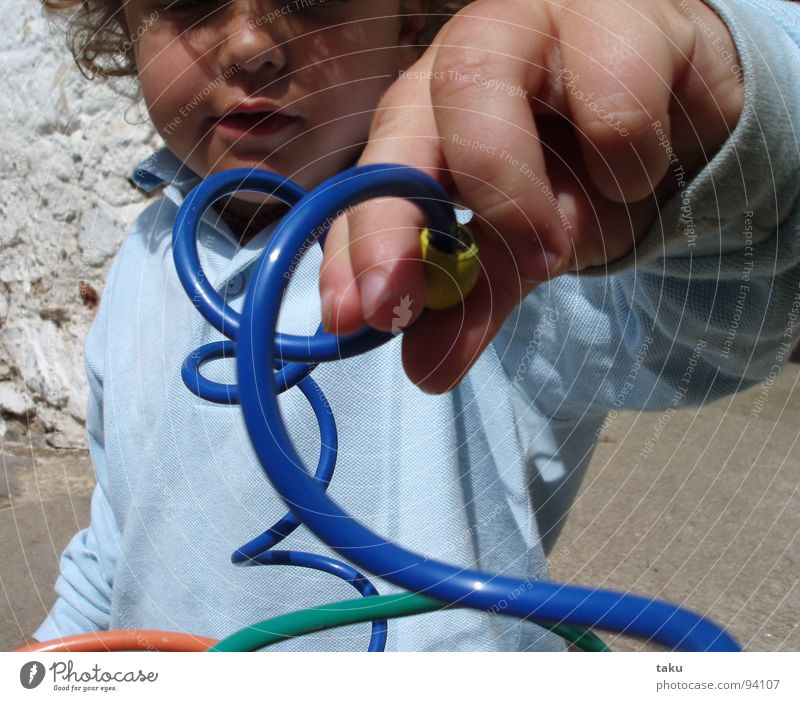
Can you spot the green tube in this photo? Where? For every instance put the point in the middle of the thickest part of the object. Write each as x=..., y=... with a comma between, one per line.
x=582, y=638
x=362, y=610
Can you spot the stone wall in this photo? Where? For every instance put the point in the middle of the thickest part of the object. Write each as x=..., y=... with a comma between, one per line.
x=68, y=147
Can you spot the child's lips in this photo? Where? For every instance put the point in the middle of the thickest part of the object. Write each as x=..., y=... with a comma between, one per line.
x=259, y=124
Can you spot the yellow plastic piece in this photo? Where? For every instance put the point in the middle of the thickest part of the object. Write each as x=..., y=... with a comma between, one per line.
x=451, y=276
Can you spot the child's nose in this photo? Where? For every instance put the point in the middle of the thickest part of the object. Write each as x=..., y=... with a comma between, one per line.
x=252, y=42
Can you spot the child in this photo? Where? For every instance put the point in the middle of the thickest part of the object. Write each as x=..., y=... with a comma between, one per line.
x=481, y=477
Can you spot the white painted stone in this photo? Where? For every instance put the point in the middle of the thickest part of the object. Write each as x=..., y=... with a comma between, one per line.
x=12, y=401
x=99, y=236
x=65, y=205
x=49, y=362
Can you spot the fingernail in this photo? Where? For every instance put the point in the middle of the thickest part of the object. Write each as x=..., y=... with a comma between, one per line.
x=374, y=293
x=554, y=263
x=327, y=299
x=547, y=266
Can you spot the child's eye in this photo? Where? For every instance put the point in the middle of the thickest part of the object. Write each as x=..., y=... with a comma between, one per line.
x=291, y=7
x=208, y=6
x=199, y=11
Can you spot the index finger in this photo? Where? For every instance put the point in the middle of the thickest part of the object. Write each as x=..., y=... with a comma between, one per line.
x=383, y=248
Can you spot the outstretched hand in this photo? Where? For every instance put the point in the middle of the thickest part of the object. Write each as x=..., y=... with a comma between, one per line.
x=563, y=125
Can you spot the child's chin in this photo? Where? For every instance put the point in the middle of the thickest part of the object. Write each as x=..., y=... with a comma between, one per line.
x=306, y=176
x=253, y=197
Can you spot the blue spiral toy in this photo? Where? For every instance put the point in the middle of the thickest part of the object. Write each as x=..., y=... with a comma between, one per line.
x=257, y=348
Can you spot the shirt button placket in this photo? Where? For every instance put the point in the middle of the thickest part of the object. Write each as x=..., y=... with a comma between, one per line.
x=235, y=285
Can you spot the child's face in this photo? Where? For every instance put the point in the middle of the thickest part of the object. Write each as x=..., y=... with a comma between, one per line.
x=323, y=64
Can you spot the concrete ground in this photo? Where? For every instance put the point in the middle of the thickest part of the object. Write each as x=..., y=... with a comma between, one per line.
x=701, y=508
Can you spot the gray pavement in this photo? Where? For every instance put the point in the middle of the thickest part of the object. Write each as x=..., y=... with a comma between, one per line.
x=700, y=508
x=708, y=519
x=44, y=501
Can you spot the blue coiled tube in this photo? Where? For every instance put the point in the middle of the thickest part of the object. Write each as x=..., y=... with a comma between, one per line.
x=669, y=625
x=287, y=376
x=184, y=237
x=259, y=346
x=227, y=321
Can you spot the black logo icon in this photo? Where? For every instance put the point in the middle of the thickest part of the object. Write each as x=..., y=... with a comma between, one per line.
x=31, y=674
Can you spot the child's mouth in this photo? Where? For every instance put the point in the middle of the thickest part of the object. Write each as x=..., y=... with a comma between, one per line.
x=255, y=123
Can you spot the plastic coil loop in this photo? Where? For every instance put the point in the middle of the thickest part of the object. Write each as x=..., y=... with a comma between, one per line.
x=220, y=315
x=259, y=352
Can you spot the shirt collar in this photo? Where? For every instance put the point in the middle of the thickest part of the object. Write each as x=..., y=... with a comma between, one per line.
x=163, y=167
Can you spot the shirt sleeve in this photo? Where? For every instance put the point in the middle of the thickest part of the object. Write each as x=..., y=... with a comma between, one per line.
x=88, y=563
x=708, y=302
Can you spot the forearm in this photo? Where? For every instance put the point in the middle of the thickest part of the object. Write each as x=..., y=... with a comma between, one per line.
x=719, y=268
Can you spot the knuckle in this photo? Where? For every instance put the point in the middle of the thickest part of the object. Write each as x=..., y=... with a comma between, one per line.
x=610, y=120
x=456, y=63
x=471, y=76
x=389, y=119
x=499, y=206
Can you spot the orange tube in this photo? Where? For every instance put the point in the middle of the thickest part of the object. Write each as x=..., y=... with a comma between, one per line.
x=122, y=640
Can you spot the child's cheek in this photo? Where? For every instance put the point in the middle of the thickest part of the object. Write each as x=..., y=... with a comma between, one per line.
x=164, y=72
x=163, y=96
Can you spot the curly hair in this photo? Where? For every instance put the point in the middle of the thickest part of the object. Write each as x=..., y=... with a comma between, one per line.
x=98, y=42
